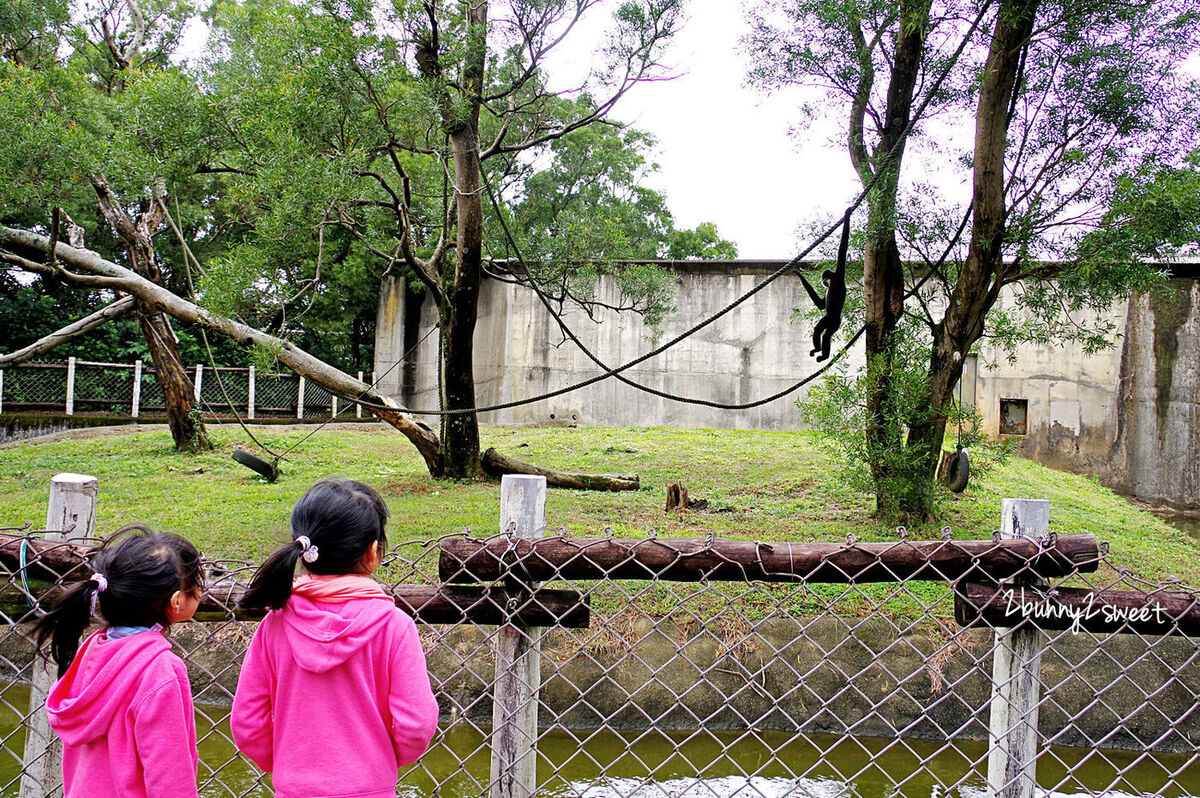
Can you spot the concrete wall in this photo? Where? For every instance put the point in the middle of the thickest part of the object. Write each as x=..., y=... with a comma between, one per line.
x=754, y=351
x=1130, y=414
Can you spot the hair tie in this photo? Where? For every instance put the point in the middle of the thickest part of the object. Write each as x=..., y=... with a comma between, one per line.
x=308, y=552
x=101, y=586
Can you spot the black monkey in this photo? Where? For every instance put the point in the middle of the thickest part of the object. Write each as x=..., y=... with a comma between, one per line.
x=835, y=298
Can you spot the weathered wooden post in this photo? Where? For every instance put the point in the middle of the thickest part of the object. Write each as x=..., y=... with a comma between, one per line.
x=72, y=509
x=137, y=389
x=70, y=386
x=1016, y=674
x=250, y=394
x=518, y=657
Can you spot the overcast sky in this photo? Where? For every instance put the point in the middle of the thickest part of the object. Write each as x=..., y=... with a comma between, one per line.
x=725, y=152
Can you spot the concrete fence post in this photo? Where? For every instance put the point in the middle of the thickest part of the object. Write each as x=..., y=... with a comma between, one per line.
x=300, y=400
x=1016, y=675
x=357, y=407
x=250, y=394
x=333, y=406
x=71, y=514
x=199, y=381
x=137, y=389
x=70, y=386
x=518, y=657
x=1, y=390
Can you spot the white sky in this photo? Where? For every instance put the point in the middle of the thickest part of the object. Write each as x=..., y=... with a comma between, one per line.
x=724, y=149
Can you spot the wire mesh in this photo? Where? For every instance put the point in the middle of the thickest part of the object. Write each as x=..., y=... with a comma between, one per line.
x=35, y=386
x=224, y=385
x=108, y=388
x=318, y=402
x=803, y=682
x=276, y=394
x=104, y=388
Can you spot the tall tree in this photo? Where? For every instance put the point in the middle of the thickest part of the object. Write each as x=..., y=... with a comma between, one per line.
x=1063, y=99
x=71, y=119
x=380, y=123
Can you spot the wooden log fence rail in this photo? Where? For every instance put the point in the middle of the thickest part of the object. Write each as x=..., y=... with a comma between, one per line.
x=528, y=560
x=49, y=565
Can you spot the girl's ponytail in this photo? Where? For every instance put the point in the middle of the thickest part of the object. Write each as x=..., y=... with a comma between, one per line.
x=333, y=524
x=272, y=583
x=65, y=624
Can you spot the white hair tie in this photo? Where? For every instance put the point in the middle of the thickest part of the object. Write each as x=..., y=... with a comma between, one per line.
x=101, y=586
x=308, y=552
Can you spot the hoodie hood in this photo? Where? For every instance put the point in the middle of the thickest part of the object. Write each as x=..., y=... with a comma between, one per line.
x=101, y=681
x=322, y=635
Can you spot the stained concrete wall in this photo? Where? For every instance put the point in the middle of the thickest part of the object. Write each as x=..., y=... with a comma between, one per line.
x=1130, y=414
x=754, y=351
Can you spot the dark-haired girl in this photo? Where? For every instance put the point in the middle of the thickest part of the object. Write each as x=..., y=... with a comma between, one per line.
x=333, y=696
x=122, y=704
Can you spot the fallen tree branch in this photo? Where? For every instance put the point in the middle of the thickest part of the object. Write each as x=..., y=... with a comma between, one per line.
x=497, y=464
x=72, y=330
x=316, y=371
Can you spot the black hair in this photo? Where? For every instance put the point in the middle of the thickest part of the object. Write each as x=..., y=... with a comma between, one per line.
x=342, y=518
x=142, y=569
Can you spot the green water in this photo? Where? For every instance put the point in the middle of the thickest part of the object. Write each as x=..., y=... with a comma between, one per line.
x=1188, y=522
x=704, y=764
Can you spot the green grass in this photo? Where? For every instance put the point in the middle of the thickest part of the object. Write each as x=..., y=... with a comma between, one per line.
x=760, y=485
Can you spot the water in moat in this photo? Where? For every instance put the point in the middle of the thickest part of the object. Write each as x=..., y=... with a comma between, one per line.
x=720, y=764
x=1188, y=522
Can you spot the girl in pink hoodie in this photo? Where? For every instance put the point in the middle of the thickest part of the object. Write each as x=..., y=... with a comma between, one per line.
x=122, y=704
x=334, y=696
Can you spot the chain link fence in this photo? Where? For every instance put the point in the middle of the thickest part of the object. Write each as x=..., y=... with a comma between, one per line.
x=671, y=668
x=131, y=390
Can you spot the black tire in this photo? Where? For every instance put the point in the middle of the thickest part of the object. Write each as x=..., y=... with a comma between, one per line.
x=960, y=471
x=264, y=469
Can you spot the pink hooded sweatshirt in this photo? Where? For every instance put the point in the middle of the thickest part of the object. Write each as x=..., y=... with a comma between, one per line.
x=334, y=696
x=124, y=713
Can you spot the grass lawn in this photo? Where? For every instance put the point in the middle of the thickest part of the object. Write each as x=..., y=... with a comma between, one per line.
x=760, y=485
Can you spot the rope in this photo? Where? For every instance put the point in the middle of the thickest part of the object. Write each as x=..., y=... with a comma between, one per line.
x=794, y=262
x=216, y=372
x=615, y=372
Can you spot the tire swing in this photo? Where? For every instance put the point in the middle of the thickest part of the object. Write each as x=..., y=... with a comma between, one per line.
x=269, y=471
x=959, y=472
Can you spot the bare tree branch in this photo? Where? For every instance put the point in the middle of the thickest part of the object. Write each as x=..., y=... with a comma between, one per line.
x=72, y=330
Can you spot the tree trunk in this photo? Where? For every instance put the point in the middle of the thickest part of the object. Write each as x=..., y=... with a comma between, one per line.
x=883, y=270
x=183, y=417
x=983, y=274
x=187, y=429
x=460, y=305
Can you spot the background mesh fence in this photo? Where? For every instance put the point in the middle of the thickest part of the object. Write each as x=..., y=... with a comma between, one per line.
x=36, y=386
x=104, y=388
x=108, y=388
x=756, y=687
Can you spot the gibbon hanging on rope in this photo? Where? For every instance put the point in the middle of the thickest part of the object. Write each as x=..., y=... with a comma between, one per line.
x=834, y=300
